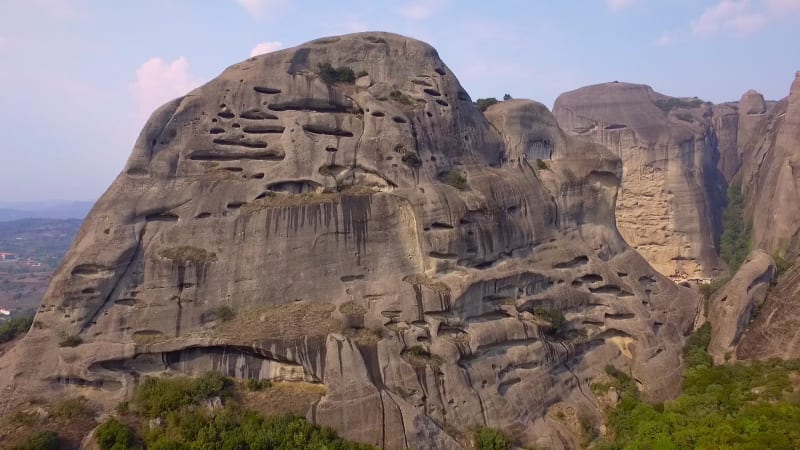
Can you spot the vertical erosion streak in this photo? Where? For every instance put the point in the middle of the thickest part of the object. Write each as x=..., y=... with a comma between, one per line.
x=465, y=367
x=355, y=219
x=181, y=281
x=118, y=277
x=319, y=215
x=418, y=298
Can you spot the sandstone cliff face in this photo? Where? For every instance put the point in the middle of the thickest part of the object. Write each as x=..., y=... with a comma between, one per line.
x=725, y=121
x=769, y=180
x=671, y=194
x=324, y=215
x=732, y=308
x=771, y=183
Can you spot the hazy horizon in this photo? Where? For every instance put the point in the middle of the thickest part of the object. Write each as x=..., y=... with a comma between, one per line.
x=80, y=77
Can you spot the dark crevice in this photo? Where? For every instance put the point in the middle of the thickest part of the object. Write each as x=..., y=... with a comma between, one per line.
x=257, y=114
x=264, y=129
x=318, y=129
x=214, y=155
x=266, y=90
x=572, y=263
x=161, y=217
x=246, y=144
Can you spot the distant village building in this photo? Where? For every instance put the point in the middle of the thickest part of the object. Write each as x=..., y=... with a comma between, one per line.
x=5, y=312
x=8, y=256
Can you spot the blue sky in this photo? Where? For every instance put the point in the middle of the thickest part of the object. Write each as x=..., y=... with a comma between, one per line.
x=78, y=78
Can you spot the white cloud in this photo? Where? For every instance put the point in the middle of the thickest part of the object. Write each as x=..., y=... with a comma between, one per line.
x=619, y=5
x=783, y=6
x=158, y=81
x=265, y=47
x=259, y=8
x=665, y=39
x=733, y=15
x=61, y=9
x=746, y=23
x=740, y=17
x=422, y=9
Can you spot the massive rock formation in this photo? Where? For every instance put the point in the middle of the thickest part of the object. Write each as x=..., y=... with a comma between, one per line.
x=769, y=180
x=771, y=185
x=380, y=237
x=732, y=308
x=672, y=193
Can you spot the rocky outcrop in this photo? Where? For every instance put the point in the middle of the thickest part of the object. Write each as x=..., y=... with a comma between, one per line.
x=378, y=236
x=672, y=192
x=775, y=332
x=770, y=184
x=725, y=121
x=732, y=308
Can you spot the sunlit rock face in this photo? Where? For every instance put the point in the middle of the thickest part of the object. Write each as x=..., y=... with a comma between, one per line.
x=672, y=192
x=771, y=186
x=380, y=237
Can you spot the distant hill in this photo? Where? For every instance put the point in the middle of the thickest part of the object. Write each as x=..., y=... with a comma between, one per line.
x=39, y=246
x=44, y=210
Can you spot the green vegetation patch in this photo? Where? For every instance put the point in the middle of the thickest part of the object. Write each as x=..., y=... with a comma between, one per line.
x=258, y=385
x=158, y=396
x=43, y=440
x=554, y=317
x=541, y=165
x=781, y=263
x=71, y=408
x=668, y=104
x=737, y=406
x=15, y=327
x=734, y=245
x=186, y=254
x=400, y=97
x=224, y=313
x=363, y=336
x=419, y=357
x=484, y=103
x=72, y=340
x=187, y=424
x=114, y=435
x=486, y=438
x=457, y=179
x=352, y=309
x=330, y=74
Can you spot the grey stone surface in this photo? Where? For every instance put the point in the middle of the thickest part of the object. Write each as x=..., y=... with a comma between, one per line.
x=732, y=308
x=671, y=191
x=324, y=218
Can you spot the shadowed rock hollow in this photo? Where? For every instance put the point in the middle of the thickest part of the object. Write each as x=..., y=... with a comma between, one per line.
x=380, y=237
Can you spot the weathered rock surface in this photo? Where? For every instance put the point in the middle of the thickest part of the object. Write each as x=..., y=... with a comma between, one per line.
x=770, y=184
x=672, y=192
x=760, y=156
x=769, y=180
x=732, y=308
x=725, y=122
x=775, y=332
x=325, y=217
